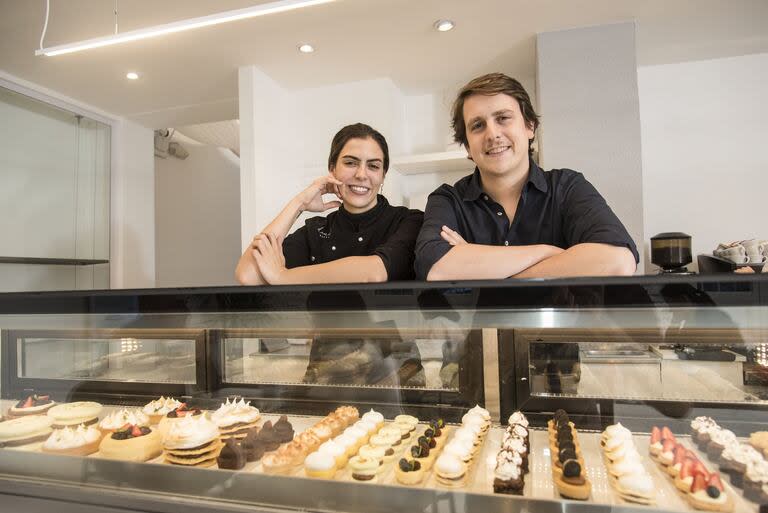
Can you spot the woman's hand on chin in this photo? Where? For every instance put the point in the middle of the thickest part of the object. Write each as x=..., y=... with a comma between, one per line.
x=311, y=198
x=268, y=253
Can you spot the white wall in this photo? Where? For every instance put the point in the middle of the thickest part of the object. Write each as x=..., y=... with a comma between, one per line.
x=197, y=218
x=705, y=157
x=132, y=244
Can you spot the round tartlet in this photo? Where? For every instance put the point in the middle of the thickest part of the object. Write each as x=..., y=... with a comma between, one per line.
x=74, y=414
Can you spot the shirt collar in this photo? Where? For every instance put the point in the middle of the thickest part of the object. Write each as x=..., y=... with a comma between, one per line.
x=364, y=218
x=536, y=177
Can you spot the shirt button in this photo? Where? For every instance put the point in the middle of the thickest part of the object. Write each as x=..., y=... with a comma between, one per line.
x=499, y=213
x=506, y=243
x=333, y=248
x=312, y=258
x=485, y=197
x=359, y=239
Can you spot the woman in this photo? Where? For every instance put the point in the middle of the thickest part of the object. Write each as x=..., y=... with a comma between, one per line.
x=365, y=240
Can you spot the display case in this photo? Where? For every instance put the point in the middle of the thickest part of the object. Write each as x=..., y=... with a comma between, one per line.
x=638, y=394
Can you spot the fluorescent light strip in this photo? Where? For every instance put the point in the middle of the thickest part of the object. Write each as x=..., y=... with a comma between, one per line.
x=180, y=26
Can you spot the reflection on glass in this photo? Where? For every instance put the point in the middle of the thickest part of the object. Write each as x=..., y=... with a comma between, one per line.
x=126, y=359
x=690, y=371
x=344, y=361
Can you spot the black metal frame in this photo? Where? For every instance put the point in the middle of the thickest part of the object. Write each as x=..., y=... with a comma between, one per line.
x=15, y=386
x=639, y=415
x=318, y=399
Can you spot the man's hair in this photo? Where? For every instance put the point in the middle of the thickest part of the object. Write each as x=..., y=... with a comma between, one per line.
x=490, y=85
x=356, y=131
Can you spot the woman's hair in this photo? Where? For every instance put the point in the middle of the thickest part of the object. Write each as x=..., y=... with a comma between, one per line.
x=490, y=85
x=356, y=131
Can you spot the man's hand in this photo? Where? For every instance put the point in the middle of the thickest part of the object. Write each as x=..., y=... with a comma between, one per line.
x=311, y=198
x=267, y=250
x=452, y=237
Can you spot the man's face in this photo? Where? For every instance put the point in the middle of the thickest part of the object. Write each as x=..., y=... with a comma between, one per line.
x=497, y=135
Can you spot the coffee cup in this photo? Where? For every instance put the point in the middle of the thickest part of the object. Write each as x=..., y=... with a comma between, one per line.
x=754, y=250
x=736, y=254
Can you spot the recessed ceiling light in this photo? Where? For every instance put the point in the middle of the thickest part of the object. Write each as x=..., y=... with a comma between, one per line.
x=306, y=48
x=444, y=25
x=132, y=75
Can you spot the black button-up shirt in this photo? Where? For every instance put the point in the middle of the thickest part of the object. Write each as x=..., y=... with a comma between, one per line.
x=558, y=207
x=386, y=231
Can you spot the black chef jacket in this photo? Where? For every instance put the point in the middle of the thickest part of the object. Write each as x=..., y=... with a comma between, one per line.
x=386, y=231
x=558, y=207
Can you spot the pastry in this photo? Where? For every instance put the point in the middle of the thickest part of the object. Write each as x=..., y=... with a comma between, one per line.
x=406, y=428
x=759, y=440
x=277, y=462
x=718, y=439
x=73, y=441
x=482, y=412
x=335, y=450
x=131, y=443
x=518, y=418
x=754, y=478
x=450, y=471
x=24, y=430
x=174, y=416
x=360, y=435
x=119, y=418
x=460, y=449
x=269, y=436
x=158, y=408
x=384, y=443
x=508, y=474
x=74, y=414
x=322, y=431
x=475, y=419
x=192, y=441
x=424, y=452
x=320, y=465
x=374, y=417
x=349, y=442
x=253, y=447
x=624, y=464
x=232, y=455
x=568, y=471
x=363, y=468
x=284, y=429
x=370, y=451
x=236, y=418
x=348, y=414
x=709, y=494
x=31, y=405
x=700, y=429
x=409, y=472
x=438, y=431
x=369, y=426
x=409, y=419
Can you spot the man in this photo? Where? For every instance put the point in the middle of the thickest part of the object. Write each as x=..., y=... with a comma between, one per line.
x=510, y=218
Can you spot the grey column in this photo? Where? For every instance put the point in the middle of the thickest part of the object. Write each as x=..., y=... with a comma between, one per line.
x=590, y=114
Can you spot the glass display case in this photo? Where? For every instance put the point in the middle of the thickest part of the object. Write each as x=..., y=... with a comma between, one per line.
x=625, y=394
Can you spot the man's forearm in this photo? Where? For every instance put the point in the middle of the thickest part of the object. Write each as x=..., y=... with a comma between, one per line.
x=483, y=262
x=357, y=269
x=588, y=259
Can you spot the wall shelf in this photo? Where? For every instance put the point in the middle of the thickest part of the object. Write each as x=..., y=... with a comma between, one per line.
x=441, y=162
x=50, y=261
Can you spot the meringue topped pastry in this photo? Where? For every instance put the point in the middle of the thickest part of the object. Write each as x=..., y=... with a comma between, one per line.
x=80, y=441
x=123, y=416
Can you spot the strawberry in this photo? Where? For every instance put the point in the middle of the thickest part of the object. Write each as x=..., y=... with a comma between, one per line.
x=44, y=397
x=680, y=454
x=666, y=434
x=699, y=483
x=714, y=480
x=700, y=469
x=28, y=403
x=136, y=431
x=668, y=446
x=687, y=468
x=655, y=435
x=182, y=407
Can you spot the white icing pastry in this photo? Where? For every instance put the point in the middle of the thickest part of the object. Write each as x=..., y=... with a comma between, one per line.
x=367, y=425
x=369, y=451
x=518, y=418
x=515, y=445
x=356, y=432
x=345, y=440
x=189, y=432
x=484, y=414
x=473, y=419
x=120, y=418
x=235, y=412
x=373, y=416
x=448, y=464
x=461, y=450
x=618, y=431
x=410, y=419
x=507, y=470
x=331, y=448
x=69, y=412
x=23, y=428
x=638, y=483
x=68, y=438
x=161, y=406
x=319, y=461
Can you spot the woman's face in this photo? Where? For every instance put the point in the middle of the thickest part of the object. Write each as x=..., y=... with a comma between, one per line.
x=360, y=167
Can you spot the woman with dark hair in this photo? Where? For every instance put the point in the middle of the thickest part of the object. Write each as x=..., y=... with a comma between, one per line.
x=365, y=240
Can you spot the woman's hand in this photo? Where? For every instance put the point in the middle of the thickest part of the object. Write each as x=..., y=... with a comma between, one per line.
x=311, y=198
x=452, y=237
x=267, y=250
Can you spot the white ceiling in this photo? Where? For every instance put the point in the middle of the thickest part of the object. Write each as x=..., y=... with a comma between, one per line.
x=191, y=77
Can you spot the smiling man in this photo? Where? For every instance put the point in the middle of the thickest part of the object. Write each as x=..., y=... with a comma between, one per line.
x=510, y=218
